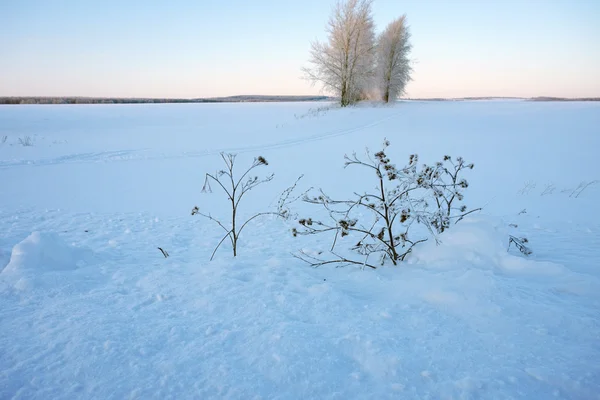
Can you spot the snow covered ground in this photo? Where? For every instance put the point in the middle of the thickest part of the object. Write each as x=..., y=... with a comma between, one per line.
x=90, y=309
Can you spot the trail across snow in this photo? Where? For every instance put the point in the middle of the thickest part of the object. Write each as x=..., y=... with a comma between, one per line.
x=144, y=154
x=90, y=308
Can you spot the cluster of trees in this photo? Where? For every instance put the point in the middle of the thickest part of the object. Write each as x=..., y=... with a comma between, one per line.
x=354, y=64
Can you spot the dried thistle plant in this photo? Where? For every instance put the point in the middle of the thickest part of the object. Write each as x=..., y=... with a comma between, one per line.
x=430, y=196
x=235, y=188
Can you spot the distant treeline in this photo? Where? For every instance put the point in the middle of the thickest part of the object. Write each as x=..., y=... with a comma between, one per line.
x=115, y=100
x=564, y=99
x=462, y=98
x=239, y=99
x=84, y=100
x=506, y=98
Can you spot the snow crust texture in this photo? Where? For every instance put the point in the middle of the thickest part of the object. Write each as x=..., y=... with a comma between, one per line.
x=91, y=309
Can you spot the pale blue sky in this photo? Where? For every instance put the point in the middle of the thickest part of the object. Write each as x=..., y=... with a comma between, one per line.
x=203, y=48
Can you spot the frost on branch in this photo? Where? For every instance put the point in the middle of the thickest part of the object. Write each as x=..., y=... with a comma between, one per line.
x=393, y=67
x=520, y=243
x=380, y=221
x=344, y=64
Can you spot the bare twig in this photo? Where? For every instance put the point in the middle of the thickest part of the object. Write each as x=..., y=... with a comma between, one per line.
x=285, y=199
x=228, y=235
x=341, y=261
x=460, y=217
x=520, y=244
x=26, y=141
x=164, y=252
x=529, y=186
x=549, y=189
x=582, y=186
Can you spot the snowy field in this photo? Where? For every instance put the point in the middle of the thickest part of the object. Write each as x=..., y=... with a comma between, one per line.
x=90, y=308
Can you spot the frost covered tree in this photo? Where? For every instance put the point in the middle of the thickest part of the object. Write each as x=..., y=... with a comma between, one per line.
x=393, y=64
x=344, y=65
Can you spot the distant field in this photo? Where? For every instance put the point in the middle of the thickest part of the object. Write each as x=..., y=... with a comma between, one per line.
x=91, y=309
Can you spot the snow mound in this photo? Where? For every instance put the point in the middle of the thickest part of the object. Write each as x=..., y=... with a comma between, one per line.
x=40, y=254
x=480, y=242
x=4, y=258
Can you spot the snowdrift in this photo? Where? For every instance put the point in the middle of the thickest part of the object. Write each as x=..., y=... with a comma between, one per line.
x=482, y=243
x=41, y=259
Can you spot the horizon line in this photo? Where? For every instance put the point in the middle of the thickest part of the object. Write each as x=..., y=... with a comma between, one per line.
x=12, y=100
x=278, y=95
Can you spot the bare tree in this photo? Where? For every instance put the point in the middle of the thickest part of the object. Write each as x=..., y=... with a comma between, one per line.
x=344, y=64
x=393, y=64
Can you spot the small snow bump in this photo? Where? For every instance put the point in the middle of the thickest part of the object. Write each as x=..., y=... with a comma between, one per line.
x=318, y=289
x=541, y=331
x=441, y=297
x=280, y=298
x=534, y=373
x=273, y=262
x=23, y=284
x=397, y=387
x=468, y=384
